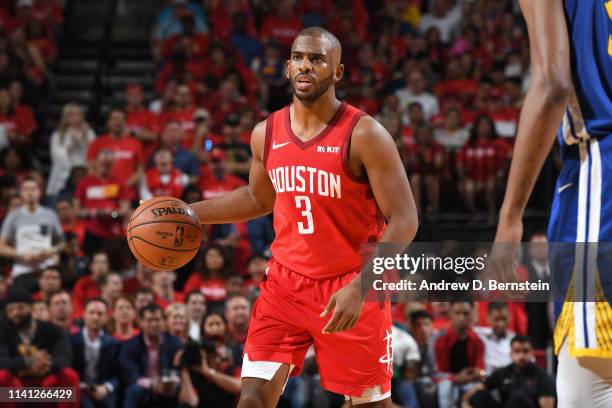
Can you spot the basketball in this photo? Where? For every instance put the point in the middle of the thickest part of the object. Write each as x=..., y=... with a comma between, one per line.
x=164, y=233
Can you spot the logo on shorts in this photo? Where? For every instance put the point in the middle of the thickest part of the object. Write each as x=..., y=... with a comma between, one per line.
x=388, y=357
x=178, y=236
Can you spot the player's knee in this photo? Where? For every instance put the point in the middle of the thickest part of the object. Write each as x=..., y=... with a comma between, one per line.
x=252, y=397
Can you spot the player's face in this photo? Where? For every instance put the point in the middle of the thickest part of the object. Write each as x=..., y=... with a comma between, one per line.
x=312, y=68
x=521, y=353
x=95, y=316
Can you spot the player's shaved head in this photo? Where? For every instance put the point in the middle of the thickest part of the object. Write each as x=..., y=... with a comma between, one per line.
x=335, y=48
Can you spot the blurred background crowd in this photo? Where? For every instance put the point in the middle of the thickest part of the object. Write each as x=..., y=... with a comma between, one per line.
x=92, y=121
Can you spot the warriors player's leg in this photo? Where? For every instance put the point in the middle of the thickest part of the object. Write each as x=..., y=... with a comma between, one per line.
x=580, y=213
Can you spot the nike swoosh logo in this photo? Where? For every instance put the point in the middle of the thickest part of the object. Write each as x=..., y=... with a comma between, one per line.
x=278, y=146
x=564, y=187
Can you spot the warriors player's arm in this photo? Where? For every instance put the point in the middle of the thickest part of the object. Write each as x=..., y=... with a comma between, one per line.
x=374, y=153
x=544, y=104
x=247, y=202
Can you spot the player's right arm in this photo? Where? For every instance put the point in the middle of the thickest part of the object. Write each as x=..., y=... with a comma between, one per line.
x=542, y=110
x=245, y=203
x=540, y=118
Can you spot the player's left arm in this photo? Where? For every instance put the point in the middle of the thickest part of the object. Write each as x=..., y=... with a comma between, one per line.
x=374, y=153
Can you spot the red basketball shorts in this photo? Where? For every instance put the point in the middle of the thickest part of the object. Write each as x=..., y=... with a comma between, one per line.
x=286, y=321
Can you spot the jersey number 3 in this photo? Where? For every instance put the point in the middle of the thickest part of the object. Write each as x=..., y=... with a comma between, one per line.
x=303, y=203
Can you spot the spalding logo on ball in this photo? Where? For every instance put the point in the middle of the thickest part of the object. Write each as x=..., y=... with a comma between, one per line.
x=164, y=233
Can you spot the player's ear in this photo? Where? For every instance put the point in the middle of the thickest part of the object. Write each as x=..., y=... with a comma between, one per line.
x=287, y=69
x=339, y=72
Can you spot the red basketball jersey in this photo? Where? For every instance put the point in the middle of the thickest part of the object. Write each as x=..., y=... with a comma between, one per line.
x=323, y=212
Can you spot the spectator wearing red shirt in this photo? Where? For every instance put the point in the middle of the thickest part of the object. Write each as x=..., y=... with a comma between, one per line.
x=237, y=152
x=505, y=117
x=197, y=41
x=102, y=200
x=142, y=279
x=238, y=313
x=459, y=354
x=217, y=182
x=281, y=26
x=163, y=179
x=225, y=103
x=211, y=280
x=128, y=161
x=18, y=127
x=86, y=287
x=481, y=164
x=21, y=109
x=142, y=124
x=124, y=319
x=163, y=288
x=416, y=118
x=64, y=207
x=111, y=287
x=182, y=111
x=424, y=162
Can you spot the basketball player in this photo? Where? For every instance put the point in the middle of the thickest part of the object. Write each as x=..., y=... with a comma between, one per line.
x=332, y=175
x=566, y=35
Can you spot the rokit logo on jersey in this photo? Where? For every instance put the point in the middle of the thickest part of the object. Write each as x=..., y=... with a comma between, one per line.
x=328, y=149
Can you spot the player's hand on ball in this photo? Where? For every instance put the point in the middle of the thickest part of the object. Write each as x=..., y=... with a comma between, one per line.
x=346, y=306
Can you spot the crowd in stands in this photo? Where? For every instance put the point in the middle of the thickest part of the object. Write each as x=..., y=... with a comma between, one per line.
x=445, y=77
